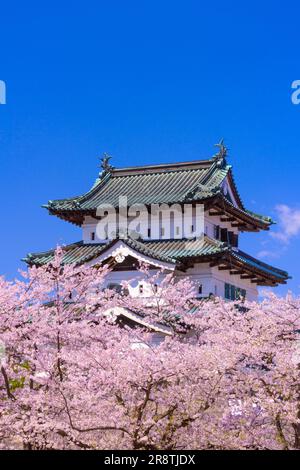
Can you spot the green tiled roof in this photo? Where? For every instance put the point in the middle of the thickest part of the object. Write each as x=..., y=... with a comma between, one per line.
x=166, y=250
x=178, y=252
x=180, y=183
x=76, y=253
x=259, y=265
x=150, y=185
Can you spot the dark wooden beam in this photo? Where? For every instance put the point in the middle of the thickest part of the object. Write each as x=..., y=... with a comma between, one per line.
x=227, y=219
x=224, y=268
x=265, y=282
x=237, y=272
x=183, y=267
x=217, y=213
x=247, y=276
x=239, y=225
x=262, y=282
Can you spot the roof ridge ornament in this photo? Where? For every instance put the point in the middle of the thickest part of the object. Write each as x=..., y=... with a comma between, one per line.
x=105, y=165
x=223, y=152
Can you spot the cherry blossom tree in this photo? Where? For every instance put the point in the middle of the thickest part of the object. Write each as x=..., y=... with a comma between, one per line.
x=73, y=377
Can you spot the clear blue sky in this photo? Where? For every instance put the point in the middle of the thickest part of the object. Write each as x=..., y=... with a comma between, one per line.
x=147, y=81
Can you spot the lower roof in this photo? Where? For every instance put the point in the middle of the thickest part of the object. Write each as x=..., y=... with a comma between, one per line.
x=181, y=253
x=165, y=250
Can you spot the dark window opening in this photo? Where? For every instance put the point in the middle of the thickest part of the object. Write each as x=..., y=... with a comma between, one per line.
x=224, y=235
x=217, y=232
x=233, y=239
x=234, y=293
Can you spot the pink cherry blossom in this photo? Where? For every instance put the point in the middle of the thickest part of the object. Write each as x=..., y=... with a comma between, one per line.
x=75, y=377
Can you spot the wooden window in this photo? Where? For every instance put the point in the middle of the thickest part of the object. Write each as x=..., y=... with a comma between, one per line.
x=141, y=288
x=217, y=232
x=224, y=235
x=93, y=236
x=149, y=232
x=227, y=291
x=230, y=238
x=234, y=293
x=200, y=289
x=155, y=288
x=235, y=240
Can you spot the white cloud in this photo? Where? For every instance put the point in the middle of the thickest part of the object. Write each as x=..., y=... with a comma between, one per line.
x=267, y=254
x=289, y=223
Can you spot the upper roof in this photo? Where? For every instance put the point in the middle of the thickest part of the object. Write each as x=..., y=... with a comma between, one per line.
x=149, y=184
x=183, y=182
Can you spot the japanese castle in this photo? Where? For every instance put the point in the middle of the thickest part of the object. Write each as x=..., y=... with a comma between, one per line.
x=211, y=257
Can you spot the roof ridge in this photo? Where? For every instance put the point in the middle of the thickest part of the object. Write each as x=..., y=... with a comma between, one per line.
x=235, y=189
x=161, y=166
x=177, y=170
